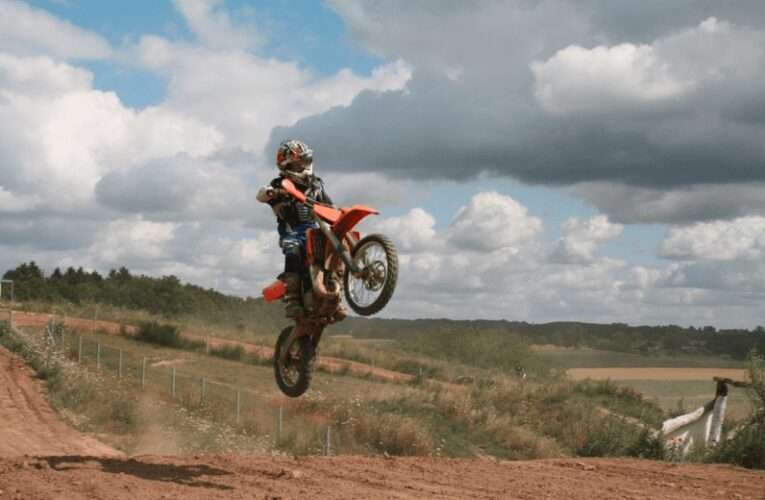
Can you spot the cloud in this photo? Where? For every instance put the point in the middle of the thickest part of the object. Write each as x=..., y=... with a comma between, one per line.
x=26, y=30
x=135, y=239
x=559, y=95
x=738, y=239
x=493, y=221
x=576, y=79
x=214, y=27
x=177, y=188
x=413, y=232
x=61, y=135
x=245, y=96
x=582, y=240
x=695, y=202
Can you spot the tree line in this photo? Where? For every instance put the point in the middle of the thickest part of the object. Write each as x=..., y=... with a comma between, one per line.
x=168, y=297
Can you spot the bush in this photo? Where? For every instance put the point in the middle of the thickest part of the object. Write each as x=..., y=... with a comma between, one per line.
x=235, y=353
x=166, y=335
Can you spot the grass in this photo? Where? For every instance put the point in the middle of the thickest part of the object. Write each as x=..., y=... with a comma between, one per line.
x=681, y=396
x=499, y=415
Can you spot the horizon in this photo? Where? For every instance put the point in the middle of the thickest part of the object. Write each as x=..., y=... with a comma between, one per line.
x=548, y=162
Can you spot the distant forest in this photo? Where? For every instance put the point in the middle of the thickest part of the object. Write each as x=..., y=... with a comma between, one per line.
x=168, y=297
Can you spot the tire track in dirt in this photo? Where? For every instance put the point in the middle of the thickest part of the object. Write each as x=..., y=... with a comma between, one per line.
x=347, y=477
x=27, y=423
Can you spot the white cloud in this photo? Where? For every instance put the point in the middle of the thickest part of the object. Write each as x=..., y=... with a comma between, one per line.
x=245, y=96
x=637, y=78
x=738, y=239
x=134, y=239
x=213, y=25
x=413, y=232
x=493, y=221
x=61, y=135
x=582, y=240
x=28, y=30
x=604, y=78
x=12, y=202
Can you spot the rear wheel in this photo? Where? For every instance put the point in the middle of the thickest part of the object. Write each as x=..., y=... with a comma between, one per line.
x=371, y=290
x=294, y=374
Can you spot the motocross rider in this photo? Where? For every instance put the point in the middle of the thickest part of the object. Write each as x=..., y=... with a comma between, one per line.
x=295, y=161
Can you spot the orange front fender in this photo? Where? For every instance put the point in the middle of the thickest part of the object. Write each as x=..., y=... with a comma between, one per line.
x=349, y=217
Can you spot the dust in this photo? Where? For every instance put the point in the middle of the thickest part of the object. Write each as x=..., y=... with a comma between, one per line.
x=154, y=435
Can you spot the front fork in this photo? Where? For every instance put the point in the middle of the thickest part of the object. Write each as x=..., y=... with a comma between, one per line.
x=339, y=248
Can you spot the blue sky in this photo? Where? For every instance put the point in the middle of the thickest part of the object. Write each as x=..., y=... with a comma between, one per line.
x=544, y=161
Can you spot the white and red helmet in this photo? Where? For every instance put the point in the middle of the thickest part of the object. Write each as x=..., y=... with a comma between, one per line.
x=295, y=160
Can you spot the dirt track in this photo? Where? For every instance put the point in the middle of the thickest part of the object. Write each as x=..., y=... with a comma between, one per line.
x=27, y=424
x=304, y=478
x=62, y=463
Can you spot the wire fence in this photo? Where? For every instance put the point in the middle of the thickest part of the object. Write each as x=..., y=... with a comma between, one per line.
x=224, y=403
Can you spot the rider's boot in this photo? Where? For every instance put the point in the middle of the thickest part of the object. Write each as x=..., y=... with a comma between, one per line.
x=292, y=297
x=340, y=313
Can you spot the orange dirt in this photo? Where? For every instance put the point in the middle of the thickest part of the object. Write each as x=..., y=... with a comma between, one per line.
x=656, y=373
x=27, y=424
x=41, y=458
x=232, y=476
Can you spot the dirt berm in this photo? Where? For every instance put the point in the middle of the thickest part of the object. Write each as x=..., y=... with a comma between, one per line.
x=42, y=458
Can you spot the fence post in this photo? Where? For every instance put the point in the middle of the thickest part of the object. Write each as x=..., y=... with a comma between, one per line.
x=79, y=349
x=98, y=356
x=329, y=450
x=238, y=405
x=371, y=366
x=143, y=372
x=63, y=347
x=119, y=366
x=279, y=426
x=202, y=395
x=173, y=381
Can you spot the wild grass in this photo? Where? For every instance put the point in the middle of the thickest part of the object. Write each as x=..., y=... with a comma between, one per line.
x=499, y=415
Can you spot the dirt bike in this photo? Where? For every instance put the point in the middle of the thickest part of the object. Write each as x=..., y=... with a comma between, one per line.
x=336, y=260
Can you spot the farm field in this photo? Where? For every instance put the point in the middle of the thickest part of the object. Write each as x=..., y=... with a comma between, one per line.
x=676, y=384
x=590, y=358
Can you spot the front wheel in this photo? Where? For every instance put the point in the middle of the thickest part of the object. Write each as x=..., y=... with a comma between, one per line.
x=294, y=375
x=371, y=290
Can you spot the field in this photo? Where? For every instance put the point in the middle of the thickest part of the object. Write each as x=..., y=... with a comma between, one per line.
x=676, y=384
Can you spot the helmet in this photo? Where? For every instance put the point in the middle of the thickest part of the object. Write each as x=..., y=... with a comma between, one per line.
x=295, y=160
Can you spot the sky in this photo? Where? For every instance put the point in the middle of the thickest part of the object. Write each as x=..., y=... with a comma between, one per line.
x=532, y=160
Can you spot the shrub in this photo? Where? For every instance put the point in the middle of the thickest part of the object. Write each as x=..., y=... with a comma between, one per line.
x=166, y=335
x=235, y=353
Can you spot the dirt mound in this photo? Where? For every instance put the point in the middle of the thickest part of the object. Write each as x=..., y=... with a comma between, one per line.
x=206, y=477
x=27, y=424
